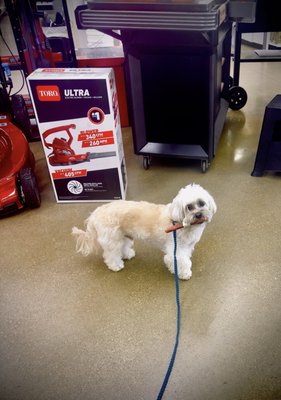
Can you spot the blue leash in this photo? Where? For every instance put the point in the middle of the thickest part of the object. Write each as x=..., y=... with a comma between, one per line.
x=171, y=364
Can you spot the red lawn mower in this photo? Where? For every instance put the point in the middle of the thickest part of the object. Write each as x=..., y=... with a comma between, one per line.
x=18, y=187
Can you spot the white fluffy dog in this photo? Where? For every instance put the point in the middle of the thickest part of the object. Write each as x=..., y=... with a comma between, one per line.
x=112, y=228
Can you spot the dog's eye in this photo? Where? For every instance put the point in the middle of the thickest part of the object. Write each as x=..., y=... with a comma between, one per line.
x=201, y=203
x=190, y=207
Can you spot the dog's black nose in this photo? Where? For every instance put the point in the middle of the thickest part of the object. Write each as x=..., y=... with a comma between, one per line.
x=198, y=215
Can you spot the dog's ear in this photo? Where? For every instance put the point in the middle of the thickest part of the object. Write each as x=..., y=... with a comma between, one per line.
x=177, y=208
x=212, y=205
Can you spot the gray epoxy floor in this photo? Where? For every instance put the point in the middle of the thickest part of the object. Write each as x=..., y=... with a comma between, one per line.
x=70, y=329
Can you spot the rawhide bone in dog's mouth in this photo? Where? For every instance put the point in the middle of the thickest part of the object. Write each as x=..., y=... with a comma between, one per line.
x=172, y=228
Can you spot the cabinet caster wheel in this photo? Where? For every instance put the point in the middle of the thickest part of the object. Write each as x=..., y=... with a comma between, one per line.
x=146, y=162
x=237, y=97
x=204, y=165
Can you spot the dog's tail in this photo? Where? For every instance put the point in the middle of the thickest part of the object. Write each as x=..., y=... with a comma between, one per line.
x=86, y=242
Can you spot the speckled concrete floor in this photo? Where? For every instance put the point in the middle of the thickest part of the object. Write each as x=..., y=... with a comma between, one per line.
x=70, y=329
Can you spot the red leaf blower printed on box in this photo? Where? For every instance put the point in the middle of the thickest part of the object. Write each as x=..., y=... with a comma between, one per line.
x=63, y=154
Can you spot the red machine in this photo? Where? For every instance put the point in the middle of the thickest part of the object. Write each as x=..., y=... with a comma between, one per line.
x=62, y=153
x=18, y=186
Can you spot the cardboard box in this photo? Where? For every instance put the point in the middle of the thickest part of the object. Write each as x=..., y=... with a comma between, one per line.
x=78, y=118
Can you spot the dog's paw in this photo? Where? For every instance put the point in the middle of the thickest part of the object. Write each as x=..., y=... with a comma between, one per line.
x=185, y=275
x=115, y=265
x=128, y=254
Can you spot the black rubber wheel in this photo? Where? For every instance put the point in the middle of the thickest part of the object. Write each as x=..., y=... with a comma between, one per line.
x=146, y=162
x=29, y=192
x=21, y=117
x=237, y=97
x=204, y=166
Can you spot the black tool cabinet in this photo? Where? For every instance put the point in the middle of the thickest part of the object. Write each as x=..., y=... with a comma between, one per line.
x=176, y=85
x=177, y=69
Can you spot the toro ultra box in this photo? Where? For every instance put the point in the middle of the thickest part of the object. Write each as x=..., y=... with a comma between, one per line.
x=78, y=119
